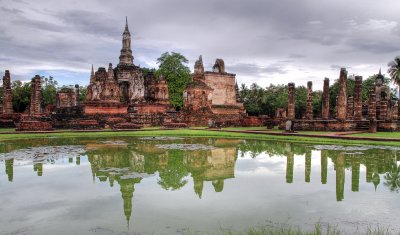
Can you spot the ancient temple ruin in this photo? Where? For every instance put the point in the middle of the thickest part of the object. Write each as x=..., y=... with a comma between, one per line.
x=378, y=113
x=212, y=95
x=7, y=94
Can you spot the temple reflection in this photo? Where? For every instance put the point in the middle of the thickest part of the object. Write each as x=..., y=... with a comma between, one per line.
x=129, y=164
x=324, y=166
x=126, y=163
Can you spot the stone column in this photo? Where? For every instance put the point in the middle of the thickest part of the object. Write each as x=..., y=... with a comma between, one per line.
x=7, y=97
x=325, y=100
x=372, y=110
x=309, y=107
x=350, y=107
x=384, y=110
x=291, y=107
x=341, y=105
x=358, y=98
x=77, y=94
x=36, y=96
x=372, y=104
x=395, y=111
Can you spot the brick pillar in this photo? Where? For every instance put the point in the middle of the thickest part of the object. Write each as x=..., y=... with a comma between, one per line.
x=291, y=107
x=358, y=98
x=341, y=105
x=395, y=111
x=384, y=110
x=36, y=96
x=325, y=100
x=350, y=107
x=309, y=104
x=77, y=95
x=372, y=104
x=7, y=97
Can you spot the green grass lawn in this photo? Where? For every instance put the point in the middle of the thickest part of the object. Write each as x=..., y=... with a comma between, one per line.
x=192, y=133
x=7, y=130
x=379, y=134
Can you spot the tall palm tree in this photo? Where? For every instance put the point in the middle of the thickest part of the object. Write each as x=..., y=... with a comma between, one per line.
x=394, y=71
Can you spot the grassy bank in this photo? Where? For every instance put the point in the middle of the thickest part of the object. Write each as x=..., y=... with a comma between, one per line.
x=291, y=230
x=379, y=135
x=191, y=133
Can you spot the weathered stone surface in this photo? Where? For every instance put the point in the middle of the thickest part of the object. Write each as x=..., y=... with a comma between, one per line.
x=35, y=107
x=34, y=126
x=7, y=94
x=341, y=105
x=126, y=125
x=85, y=124
x=251, y=121
x=325, y=99
x=110, y=108
x=372, y=104
x=350, y=107
x=291, y=107
x=383, y=110
x=358, y=98
x=66, y=98
x=309, y=102
x=395, y=111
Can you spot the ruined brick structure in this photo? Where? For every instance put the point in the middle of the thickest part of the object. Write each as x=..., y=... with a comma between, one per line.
x=381, y=113
x=212, y=95
x=35, y=106
x=309, y=105
x=341, y=105
x=66, y=98
x=198, y=95
x=7, y=97
x=121, y=98
x=358, y=98
x=291, y=107
x=325, y=99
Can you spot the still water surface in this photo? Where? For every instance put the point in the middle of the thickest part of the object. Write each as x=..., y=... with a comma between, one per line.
x=167, y=185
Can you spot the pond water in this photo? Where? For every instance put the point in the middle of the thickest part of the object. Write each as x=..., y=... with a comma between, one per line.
x=172, y=185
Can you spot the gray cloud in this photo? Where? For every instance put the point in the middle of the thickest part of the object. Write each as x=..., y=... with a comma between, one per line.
x=263, y=41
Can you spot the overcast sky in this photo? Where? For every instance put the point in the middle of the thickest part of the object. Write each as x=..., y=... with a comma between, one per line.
x=262, y=41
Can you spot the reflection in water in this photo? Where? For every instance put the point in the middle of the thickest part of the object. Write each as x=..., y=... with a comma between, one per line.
x=10, y=169
x=324, y=166
x=308, y=166
x=355, y=173
x=128, y=163
x=339, y=167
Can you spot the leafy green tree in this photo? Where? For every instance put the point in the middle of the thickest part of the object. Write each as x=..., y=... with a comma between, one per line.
x=300, y=101
x=146, y=71
x=394, y=71
x=49, y=89
x=82, y=93
x=21, y=94
x=173, y=68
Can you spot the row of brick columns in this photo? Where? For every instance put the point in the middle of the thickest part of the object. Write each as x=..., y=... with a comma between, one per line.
x=347, y=108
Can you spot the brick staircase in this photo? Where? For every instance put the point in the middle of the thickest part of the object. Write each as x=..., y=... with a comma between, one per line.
x=362, y=125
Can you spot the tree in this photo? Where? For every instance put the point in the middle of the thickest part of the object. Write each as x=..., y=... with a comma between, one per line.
x=49, y=89
x=394, y=71
x=21, y=95
x=172, y=67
